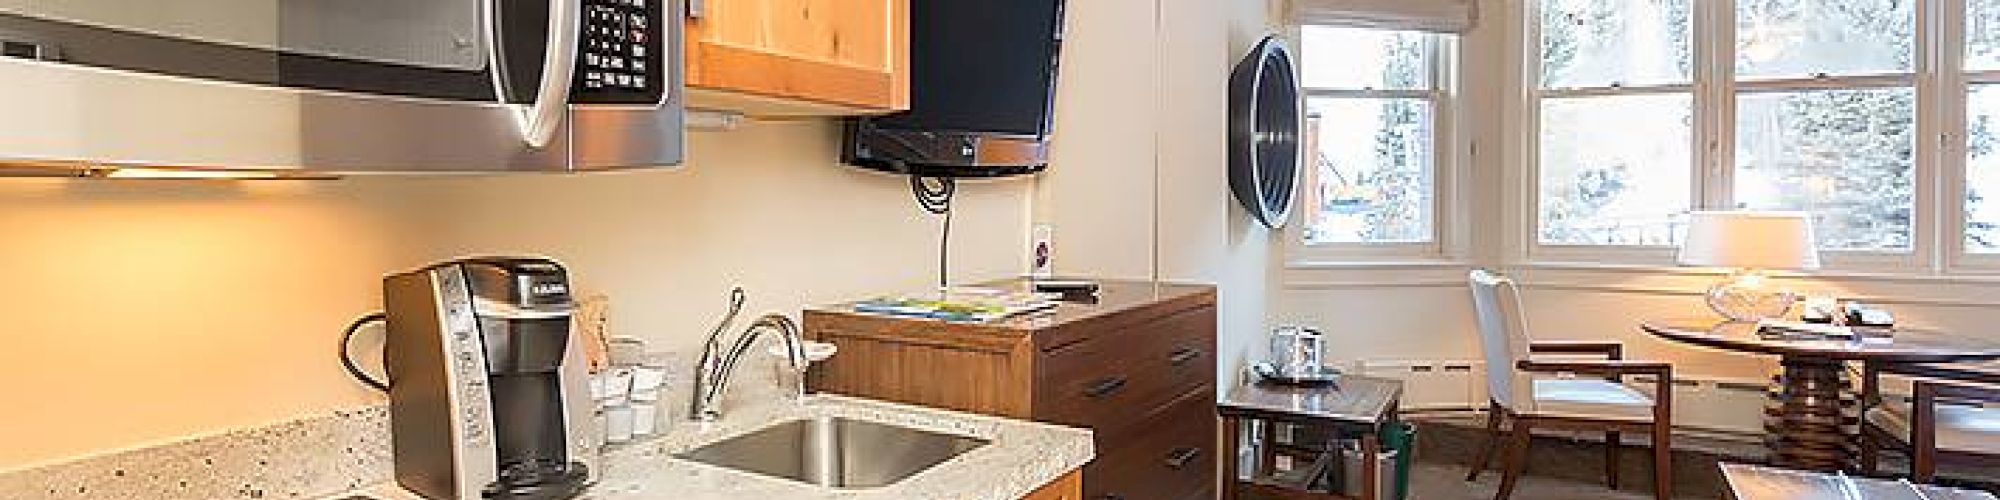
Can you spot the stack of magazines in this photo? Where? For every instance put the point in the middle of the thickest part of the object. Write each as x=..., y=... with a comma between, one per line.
x=967, y=305
x=1772, y=329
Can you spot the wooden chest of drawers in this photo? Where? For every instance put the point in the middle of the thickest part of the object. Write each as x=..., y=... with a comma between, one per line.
x=1137, y=366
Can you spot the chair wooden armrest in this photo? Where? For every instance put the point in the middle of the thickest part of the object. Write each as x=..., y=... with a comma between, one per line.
x=1953, y=390
x=1978, y=374
x=1662, y=371
x=1612, y=350
x=1926, y=395
x=1663, y=377
x=1871, y=375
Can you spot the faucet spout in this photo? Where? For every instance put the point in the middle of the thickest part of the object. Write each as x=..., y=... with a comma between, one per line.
x=717, y=367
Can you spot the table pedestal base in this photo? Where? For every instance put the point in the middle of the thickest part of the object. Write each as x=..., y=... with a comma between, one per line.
x=1809, y=420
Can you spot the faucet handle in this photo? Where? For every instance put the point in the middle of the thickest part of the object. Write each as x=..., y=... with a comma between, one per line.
x=736, y=299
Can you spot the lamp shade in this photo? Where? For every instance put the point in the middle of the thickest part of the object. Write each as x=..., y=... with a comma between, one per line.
x=1750, y=240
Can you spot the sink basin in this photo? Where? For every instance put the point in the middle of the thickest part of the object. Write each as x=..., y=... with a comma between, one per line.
x=835, y=452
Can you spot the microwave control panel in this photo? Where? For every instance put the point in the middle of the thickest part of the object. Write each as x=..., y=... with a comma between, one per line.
x=622, y=59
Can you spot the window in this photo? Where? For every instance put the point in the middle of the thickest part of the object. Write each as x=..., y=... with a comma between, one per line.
x=1372, y=101
x=1982, y=126
x=1616, y=120
x=1804, y=105
x=1826, y=116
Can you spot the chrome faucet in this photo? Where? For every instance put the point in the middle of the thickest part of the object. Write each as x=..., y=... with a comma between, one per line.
x=711, y=376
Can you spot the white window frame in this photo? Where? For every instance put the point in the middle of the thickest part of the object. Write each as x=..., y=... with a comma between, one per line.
x=1957, y=82
x=1938, y=79
x=1531, y=74
x=1447, y=237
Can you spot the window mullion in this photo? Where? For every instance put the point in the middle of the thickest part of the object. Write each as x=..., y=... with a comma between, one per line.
x=1525, y=214
x=1368, y=93
x=1831, y=82
x=1715, y=104
x=1617, y=90
x=1947, y=122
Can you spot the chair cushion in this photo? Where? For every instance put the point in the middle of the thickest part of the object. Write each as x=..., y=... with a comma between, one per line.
x=1959, y=428
x=1590, y=398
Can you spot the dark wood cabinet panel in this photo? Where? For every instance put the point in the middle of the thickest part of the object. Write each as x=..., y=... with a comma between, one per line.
x=1173, y=457
x=1137, y=366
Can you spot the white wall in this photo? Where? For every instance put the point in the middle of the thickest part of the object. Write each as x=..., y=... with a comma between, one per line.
x=1099, y=192
x=1138, y=184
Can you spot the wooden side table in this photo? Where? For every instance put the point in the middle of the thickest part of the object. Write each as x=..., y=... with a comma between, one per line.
x=1356, y=406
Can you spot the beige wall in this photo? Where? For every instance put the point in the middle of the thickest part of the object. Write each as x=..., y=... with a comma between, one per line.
x=143, y=311
x=763, y=207
x=138, y=311
x=162, y=310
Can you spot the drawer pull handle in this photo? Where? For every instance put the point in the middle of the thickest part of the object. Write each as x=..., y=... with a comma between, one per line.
x=1111, y=496
x=1180, y=457
x=1183, y=355
x=1105, y=387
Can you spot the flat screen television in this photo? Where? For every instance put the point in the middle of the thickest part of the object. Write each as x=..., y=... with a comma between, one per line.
x=982, y=88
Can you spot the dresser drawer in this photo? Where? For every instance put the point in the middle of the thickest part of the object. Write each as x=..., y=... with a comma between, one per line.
x=1175, y=458
x=1110, y=381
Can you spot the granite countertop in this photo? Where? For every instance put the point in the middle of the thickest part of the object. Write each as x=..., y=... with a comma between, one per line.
x=1021, y=457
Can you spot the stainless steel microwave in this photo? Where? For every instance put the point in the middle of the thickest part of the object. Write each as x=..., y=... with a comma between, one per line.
x=340, y=86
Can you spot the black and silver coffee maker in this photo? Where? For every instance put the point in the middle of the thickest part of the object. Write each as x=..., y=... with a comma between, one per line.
x=488, y=396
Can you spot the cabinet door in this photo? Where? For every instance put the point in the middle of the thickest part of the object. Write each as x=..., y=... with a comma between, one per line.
x=1068, y=487
x=799, y=57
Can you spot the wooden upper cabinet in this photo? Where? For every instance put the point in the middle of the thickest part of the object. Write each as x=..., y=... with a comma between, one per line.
x=799, y=57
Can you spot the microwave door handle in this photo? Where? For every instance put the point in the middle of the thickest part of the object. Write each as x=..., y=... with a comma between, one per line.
x=540, y=120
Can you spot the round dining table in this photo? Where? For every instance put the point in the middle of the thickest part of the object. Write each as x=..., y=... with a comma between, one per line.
x=1811, y=418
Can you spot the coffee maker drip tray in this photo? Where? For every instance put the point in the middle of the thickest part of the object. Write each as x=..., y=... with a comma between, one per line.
x=538, y=480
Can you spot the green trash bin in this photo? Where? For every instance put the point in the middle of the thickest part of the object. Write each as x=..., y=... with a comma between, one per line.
x=1398, y=440
x=1401, y=437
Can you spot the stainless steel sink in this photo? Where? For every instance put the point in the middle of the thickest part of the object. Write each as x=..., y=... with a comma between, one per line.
x=835, y=452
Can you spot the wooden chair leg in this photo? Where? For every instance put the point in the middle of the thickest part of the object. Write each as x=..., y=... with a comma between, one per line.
x=1516, y=460
x=1485, y=454
x=1923, y=433
x=1663, y=461
x=1871, y=453
x=1611, y=442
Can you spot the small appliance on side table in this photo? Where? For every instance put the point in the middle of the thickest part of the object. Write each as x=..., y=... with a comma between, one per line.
x=1297, y=357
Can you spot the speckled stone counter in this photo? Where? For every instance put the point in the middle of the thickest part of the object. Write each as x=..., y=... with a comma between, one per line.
x=312, y=456
x=1021, y=457
x=341, y=454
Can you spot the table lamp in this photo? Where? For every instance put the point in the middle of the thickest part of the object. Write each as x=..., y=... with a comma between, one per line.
x=1749, y=242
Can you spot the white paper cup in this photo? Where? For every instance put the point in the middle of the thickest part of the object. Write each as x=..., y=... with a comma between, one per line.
x=645, y=419
x=618, y=424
